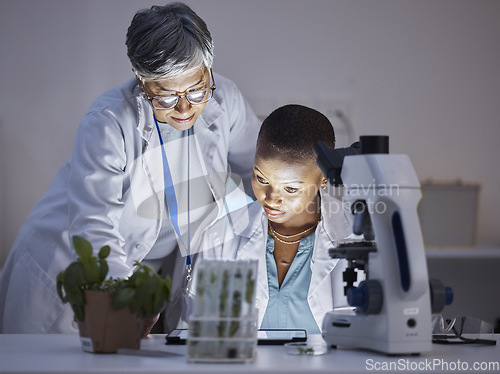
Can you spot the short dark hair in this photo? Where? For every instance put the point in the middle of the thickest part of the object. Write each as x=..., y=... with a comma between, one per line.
x=164, y=41
x=293, y=130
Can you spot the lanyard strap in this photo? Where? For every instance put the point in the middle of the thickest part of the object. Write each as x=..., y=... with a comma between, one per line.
x=171, y=198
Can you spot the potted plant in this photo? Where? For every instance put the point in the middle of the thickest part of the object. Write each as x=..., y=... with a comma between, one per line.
x=110, y=311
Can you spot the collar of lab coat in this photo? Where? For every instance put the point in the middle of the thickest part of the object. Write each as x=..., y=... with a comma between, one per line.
x=335, y=221
x=335, y=225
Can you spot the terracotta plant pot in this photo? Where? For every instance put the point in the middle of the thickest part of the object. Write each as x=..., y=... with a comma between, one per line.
x=104, y=329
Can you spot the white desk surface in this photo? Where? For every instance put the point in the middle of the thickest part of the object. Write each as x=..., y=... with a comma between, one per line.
x=62, y=354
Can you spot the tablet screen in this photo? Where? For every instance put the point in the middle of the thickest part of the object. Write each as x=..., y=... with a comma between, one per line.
x=264, y=336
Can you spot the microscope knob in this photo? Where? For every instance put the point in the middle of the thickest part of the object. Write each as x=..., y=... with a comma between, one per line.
x=367, y=297
x=440, y=295
x=449, y=295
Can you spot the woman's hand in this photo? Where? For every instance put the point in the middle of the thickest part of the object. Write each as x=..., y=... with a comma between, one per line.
x=148, y=324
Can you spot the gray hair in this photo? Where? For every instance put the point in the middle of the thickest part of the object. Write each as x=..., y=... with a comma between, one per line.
x=167, y=41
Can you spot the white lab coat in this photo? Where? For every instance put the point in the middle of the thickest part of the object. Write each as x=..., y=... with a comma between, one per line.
x=111, y=192
x=242, y=235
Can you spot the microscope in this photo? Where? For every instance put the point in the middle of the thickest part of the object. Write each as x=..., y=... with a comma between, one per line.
x=391, y=309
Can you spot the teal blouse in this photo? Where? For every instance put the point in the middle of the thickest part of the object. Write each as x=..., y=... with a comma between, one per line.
x=288, y=307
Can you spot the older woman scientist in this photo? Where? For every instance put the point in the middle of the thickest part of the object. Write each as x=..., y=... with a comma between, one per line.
x=175, y=126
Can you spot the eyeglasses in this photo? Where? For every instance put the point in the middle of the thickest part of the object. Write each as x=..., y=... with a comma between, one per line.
x=461, y=330
x=194, y=97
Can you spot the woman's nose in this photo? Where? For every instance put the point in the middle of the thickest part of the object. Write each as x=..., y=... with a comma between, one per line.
x=183, y=105
x=273, y=198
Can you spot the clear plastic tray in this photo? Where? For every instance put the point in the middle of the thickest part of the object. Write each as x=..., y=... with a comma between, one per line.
x=307, y=349
x=222, y=339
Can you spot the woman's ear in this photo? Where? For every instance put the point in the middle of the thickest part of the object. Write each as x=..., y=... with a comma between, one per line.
x=324, y=182
x=141, y=84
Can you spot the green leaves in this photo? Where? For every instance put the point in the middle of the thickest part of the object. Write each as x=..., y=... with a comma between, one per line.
x=94, y=270
x=145, y=292
x=123, y=297
x=87, y=272
x=104, y=252
x=82, y=248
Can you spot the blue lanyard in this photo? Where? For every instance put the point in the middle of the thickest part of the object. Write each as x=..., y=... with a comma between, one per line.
x=171, y=198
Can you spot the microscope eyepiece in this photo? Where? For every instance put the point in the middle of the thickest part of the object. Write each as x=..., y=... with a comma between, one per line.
x=374, y=144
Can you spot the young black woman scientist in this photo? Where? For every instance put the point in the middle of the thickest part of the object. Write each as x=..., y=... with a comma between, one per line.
x=174, y=124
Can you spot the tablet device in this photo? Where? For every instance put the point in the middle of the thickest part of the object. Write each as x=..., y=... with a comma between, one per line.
x=177, y=336
x=264, y=336
x=280, y=336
